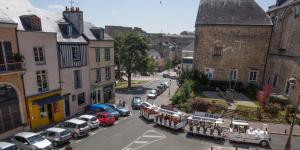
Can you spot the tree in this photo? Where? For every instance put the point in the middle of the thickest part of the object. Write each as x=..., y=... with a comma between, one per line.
x=132, y=54
x=168, y=64
x=118, y=47
x=151, y=66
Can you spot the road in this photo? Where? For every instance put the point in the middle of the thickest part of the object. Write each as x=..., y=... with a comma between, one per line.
x=134, y=133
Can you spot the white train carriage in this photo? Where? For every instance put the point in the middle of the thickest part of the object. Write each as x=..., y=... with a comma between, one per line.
x=241, y=132
x=170, y=118
x=148, y=111
x=206, y=124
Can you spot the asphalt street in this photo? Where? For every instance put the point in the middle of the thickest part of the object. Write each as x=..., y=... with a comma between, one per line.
x=134, y=133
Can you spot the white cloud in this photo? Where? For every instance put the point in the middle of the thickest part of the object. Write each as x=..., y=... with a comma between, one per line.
x=114, y=12
x=55, y=6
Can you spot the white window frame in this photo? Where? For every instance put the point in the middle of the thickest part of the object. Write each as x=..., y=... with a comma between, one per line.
x=233, y=74
x=98, y=54
x=209, y=73
x=41, y=76
x=287, y=91
x=107, y=54
x=37, y=54
x=250, y=75
x=70, y=30
x=76, y=54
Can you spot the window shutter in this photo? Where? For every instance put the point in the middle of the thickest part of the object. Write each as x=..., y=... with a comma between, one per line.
x=8, y=52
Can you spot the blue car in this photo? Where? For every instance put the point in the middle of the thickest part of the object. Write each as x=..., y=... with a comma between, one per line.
x=122, y=110
x=103, y=108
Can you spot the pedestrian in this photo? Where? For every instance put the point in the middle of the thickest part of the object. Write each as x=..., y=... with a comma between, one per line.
x=123, y=103
x=120, y=103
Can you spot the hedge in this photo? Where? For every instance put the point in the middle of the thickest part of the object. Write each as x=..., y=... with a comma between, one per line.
x=279, y=99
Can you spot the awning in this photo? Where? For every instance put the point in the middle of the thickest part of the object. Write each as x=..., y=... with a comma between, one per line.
x=48, y=100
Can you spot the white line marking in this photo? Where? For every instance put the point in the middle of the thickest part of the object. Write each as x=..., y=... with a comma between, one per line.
x=152, y=136
x=141, y=142
x=161, y=137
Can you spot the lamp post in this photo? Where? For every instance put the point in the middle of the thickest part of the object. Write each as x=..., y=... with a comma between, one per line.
x=293, y=82
x=170, y=88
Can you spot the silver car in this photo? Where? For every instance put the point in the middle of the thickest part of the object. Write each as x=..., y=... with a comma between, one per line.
x=77, y=127
x=7, y=146
x=57, y=136
x=91, y=120
x=31, y=141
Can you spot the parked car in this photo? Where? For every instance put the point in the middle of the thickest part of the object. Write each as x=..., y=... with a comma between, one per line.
x=166, y=84
x=166, y=76
x=160, y=89
x=58, y=136
x=77, y=127
x=136, y=102
x=122, y=110
x=152, y=94
x=91, y=120
x=31, y=141
x=105, y=119
x=8, y=146
x=95, y=108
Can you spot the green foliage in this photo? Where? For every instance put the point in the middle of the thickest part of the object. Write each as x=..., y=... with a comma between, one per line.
x=252, y=89
x=168, y=64
x=224, y=85
x=279, y=99
x=273, y=109
x=186, y=89
x=132, y=54
x=151, y=66
x=18, y=57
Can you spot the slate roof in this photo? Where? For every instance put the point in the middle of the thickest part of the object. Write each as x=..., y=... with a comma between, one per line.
x=284, y=4
x=231, y=12
x=49, y=20
x=190, y=47
x=4, y=18
x=88, y=33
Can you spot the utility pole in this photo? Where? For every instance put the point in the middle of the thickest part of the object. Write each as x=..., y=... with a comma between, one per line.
x=288, y=142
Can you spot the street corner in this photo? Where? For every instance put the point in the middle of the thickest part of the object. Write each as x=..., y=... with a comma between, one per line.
x=149, y=137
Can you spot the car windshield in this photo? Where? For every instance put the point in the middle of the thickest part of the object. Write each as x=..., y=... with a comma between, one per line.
x=109, y=109
x=35, y=139
x=94, y=119
x=137, y=100
x=64, y=133
x=83, y=125
x=151, y=92
x=84, y=119
x=120, y=107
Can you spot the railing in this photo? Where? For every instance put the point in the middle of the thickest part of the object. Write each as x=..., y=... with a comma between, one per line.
x=9, y=67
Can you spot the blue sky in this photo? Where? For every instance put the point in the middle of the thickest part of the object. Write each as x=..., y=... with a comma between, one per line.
x=169, y=16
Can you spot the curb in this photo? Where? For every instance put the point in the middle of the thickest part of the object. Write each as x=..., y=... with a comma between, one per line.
x=279, y=133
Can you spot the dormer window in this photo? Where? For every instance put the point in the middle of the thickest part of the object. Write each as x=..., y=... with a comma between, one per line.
x=98, y=33
x=70, y=30
x=35, y=24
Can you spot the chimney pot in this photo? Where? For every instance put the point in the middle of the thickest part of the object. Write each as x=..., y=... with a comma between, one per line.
x=72, y=9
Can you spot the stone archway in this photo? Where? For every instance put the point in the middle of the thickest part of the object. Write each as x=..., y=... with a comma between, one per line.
x=10, y=113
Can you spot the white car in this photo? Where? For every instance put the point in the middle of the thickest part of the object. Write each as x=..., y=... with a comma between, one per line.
x=152, y=94
x=31, y=141
x=166, y=84
x=7, y=146
x=78, y=128
x=92, y=121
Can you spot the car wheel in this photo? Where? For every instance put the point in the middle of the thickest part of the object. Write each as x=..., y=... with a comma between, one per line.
x=264, y=143
x=75, y=135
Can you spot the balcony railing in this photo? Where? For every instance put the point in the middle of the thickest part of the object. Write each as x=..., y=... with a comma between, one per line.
x=10, y=67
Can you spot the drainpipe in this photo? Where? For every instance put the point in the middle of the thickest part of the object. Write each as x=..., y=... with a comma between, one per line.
x=267, y=57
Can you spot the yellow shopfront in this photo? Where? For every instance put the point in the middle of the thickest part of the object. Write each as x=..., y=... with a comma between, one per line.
x=45, y=109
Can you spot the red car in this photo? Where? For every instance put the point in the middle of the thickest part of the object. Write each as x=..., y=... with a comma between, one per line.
x=105, y=119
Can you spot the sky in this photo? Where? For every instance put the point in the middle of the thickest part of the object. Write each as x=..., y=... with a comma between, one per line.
x=154, y=16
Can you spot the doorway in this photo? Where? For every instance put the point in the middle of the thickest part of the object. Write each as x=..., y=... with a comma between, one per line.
x=67, y=105
x=50, y=112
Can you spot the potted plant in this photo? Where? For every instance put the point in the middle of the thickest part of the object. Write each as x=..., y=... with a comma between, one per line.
x=18, y=57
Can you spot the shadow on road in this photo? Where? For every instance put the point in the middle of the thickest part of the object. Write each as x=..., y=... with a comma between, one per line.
x=206, y=139
x=169, y=130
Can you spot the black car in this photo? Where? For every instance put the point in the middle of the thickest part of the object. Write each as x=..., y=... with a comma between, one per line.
x=161, y=89
x=136, y=102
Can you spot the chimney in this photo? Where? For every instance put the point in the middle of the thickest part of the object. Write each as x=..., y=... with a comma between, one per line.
x=75, y=17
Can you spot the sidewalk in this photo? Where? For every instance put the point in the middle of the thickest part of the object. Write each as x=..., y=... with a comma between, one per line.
x=278, y=128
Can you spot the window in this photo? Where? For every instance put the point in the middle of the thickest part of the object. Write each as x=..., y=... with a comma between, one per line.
x=107, y=54
x=253, y=75
x=97, y=54
x=209, y=72
x=43, y=112
x=77, y=79
x=70, y=30
x=275, y=78
x=39, y=55
x=107, y=73
x=35, y=24
x=287, y=88
x=81, y=98
x=42, y=81
x=73, y=98
x=52, y=134
x=233, y=74
x=218, y=51
x=76, y=54
x=98, y=75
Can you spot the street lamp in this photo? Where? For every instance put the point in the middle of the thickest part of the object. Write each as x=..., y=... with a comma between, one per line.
x=293, y=82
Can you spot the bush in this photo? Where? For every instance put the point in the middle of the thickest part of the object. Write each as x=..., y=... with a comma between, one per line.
x=186, y=89
x=224, y=85
x=272, y=109
x=252, y=89
x=177, y=98
x=279, y=99
x=199, y=105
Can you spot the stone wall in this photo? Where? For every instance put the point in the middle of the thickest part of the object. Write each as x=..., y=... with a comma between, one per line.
x=243, y=48
x=284, y=58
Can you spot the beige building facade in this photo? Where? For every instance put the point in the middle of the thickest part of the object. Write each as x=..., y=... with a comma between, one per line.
x=232, y=46
x=284, y=53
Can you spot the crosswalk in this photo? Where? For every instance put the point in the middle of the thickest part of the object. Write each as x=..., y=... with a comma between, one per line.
x=145, y=139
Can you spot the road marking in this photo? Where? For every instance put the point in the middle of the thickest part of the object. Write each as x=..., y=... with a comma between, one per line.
x=145, y=139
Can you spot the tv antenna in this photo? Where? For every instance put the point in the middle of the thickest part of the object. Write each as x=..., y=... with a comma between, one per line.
x=72, y=3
